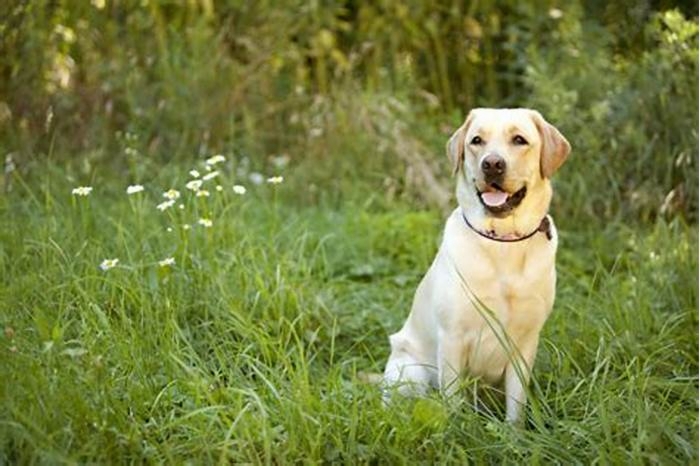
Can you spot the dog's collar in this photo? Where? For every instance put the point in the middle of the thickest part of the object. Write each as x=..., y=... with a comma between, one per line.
x=544, y=227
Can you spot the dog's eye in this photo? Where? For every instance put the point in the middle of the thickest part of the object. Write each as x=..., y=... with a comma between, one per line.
x=476, y=141
x=518, y=140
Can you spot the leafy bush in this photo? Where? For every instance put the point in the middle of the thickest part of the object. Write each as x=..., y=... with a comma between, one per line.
x=360, y=96
x=632, y=122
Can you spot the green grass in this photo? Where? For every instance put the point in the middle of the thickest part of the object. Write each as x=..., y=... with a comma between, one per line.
x=248, y=349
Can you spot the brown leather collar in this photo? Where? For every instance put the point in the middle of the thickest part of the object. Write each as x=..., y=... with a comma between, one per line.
x=544, y=227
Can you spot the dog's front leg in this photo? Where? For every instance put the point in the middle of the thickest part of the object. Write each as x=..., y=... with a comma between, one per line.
x=450, y=361
x=518, y=373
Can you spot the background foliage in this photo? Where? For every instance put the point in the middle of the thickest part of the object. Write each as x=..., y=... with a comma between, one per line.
x=250, y=348
x=305, y=78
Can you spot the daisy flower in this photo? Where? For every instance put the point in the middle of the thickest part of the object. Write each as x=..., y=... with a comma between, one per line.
x=165, y=205
x=194, y=174
x=215, y=159
x=280, y=161
x=219, y=188
x=275, y=179
x=202, y=193
x=108, y=264
x=555, y=13
x=238, y=189
x=194, y=185
x=9, y=164
x=171, y=194
x=167, y=262
x=134, y=188
x=205, y=222
x=210, y=175
x=82, y=190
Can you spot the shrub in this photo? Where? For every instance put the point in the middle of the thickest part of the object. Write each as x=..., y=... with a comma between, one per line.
x=360, y=96
x=632, y=121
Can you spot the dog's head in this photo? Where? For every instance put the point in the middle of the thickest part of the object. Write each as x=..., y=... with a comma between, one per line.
x=505, y=154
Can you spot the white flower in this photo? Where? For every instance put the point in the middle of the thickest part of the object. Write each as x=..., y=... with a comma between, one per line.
x=275, y=179
x=169, y=229
x=205, y=222
x=82, y=190
x=194, y=185
x=165, y=205
x=238, y=189
x=134, y=188
x=108, y=264
x=171, y=194
x=194, y=174
x=555, y=13
x=186, y=226
x=168, y=261
x=9, y=164
x=210, y=175
x=202, y=193
x=280, y=161
x=215, y=159
x=256, y=178
x=219, y=188
x=181, y=206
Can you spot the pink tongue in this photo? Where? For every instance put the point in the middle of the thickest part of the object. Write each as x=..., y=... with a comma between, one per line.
x=494, y=198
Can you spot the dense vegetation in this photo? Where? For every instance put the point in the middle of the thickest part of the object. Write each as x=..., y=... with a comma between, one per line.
x=250, y=344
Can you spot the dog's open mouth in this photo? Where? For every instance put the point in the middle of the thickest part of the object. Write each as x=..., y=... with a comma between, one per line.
x=498, y=201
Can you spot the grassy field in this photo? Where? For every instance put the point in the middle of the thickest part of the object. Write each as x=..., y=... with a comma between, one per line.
x=239, y=326
x=251, y=345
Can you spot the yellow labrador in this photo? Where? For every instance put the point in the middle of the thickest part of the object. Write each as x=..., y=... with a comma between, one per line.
x=486, y=296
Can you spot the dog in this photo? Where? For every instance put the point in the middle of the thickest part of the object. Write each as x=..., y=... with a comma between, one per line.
x=485, y=298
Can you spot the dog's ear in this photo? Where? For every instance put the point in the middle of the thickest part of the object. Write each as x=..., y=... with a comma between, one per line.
x=555, y=147
x=455, y=145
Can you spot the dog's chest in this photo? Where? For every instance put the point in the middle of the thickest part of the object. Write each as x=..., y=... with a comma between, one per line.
x=509, y=273
x=513, y=291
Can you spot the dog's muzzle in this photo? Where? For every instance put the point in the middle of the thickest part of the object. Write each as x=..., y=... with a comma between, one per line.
x=498, y=202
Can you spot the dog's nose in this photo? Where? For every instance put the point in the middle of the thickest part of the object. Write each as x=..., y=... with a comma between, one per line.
x=493, y=166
